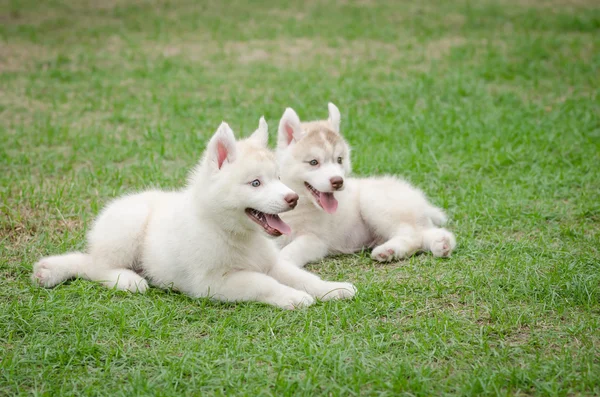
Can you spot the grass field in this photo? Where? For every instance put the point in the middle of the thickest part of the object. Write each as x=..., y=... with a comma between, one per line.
x=491, y=107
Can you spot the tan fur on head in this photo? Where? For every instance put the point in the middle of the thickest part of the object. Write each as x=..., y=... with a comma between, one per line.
x=291, y=130
x=321, y=128
x=318, y=134
x=319, y=131
x=312, y=155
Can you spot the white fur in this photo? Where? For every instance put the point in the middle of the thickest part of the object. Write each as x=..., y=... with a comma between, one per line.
x=199, y=240
x=384, y=213
x=334, y=117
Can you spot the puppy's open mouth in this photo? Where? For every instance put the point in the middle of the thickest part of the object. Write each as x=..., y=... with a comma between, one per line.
x=325, y=200
x=272, y=223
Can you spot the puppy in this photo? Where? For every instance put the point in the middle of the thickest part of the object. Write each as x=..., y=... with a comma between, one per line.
x=205, y=240
x=337, y=214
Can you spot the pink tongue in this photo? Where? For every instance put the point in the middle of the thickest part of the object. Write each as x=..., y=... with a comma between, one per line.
x=328, y=202
x=276, y=223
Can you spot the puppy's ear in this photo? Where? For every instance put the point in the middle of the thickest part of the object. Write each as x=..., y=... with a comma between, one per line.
x=261, y=135
x=334, y=117
x=290, y=129
x=221, y=148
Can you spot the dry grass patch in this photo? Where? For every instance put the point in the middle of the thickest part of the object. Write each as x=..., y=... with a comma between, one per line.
x=21, y=111
x=21, y=225
x=358, y=3
x=15, y=98
x=303, y=52
x=438, y=49
x=555, y=4
x=538, y=96
x=108, y=5
x=287, y=14
x=21, y=56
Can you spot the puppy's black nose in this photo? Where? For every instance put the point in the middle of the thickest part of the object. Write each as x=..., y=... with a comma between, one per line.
x=292, y=199
x=337, y=182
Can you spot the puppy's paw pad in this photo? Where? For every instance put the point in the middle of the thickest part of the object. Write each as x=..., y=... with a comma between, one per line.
x=382, y=255
x=442, y=247
x=387, y=252
x=44, y=274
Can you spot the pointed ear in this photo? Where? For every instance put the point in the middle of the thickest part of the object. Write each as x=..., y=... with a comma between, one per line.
x=261, y=135
x=334, y=117
x=221, y=148
x=290, y=129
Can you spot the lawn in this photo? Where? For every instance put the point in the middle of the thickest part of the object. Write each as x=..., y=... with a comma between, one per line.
x=491, y=107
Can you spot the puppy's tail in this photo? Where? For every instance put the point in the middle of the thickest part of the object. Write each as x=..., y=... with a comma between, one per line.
x=437, y=216
x=53, y=270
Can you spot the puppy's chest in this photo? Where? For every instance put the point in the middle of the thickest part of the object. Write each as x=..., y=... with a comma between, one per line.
x=303, y=218
x=344, y=232
x=258, y=255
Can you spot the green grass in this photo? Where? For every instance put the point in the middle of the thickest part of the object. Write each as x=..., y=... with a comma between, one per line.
x=491, y=107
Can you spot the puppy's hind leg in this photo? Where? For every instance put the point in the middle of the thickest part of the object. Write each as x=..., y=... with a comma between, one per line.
x=121, y=279
x=403, y=243
x=112, y=266
x=53, y=270
x=114, y=247
x=390, y=208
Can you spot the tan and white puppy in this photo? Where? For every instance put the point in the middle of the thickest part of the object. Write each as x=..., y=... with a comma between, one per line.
x=338, y=214
x=206, y=240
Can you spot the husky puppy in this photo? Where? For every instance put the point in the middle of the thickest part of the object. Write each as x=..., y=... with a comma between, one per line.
x=337, y=214
x=205, y=240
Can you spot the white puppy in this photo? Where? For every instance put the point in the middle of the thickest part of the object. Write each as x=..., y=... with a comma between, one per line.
x=337, y=214
x=205, y=240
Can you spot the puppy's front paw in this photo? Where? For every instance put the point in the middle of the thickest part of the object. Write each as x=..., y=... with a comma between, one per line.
x=335, y=290
x=129, y=281
x=294, y=299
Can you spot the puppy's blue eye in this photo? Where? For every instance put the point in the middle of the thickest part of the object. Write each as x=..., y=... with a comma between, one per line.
x=255, y=183
x=313, y=162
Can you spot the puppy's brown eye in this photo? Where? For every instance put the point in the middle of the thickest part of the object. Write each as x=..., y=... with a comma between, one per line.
x=255, y=183
x=313, y=162
x=339, y=160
